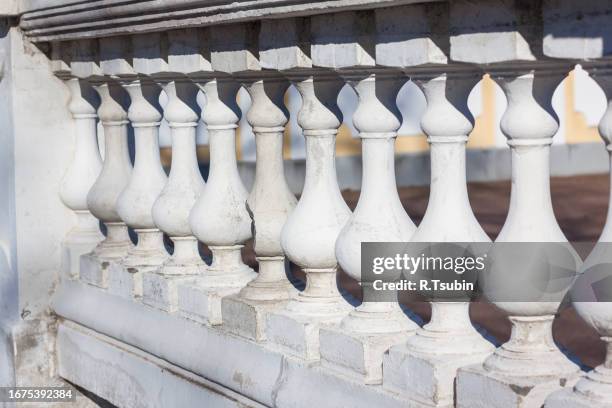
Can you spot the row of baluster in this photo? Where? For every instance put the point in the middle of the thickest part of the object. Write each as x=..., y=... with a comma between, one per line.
x=318, y=232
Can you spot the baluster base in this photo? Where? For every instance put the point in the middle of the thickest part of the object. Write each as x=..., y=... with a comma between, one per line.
x=199, y=298
x=424, y=368
x=71, y=258
x=356, y=348
x=592, y=390
x=93, y=271
x=160, y=285
x=297, y=335
x=478, y=387
x=125, y=281
x=116, y=244
x=227, y=269
x=426, y=378
x=246, y=317
x=295, y=328
x=245, y=314
x=160, y=290
x=81, y=240
x=531, y=351
x=201, y=303
x=357, y=355
x=271, y=283
x=149, y=251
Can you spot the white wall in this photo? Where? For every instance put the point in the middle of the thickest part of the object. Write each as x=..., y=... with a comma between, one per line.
x=36, y=142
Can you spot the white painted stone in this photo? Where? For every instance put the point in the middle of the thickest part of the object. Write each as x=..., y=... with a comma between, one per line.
x=284, y=44
x=150, y=54
x=358, y=355
x=90, y=360
x=425, y=366
x=379, y=216
x=412, y=35
x=480, y=388
x=311, y=230
x=115, y=174
x=342, y=40
x=234, y=48
x=37, y=137
x=93, y=272
x=486, y=32
x=84, y=61
x=80, y=176
x=135, y=203
x=124, y=281
x=269, y=205
x=219, y=217
x=595, y=388
x=576, y=30
x=185, y=184
x=200, y=302
x=247, y=317
x=270, y=201
x=188, y=50
x=161, y=290
x=529, y=365
x=249, y=369
x=116, y=55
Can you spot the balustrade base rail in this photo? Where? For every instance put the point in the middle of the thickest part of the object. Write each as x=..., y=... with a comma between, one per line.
x=209, y=354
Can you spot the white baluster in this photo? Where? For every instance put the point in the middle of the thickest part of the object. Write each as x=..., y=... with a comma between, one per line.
x=219, y=217
x=82, y=174
x=530, y=358
x=311, y=230
x=86, y=162
x=172, y=207
x=449, y=340
x=379, y=216
x=135, y=203
x=595, y=389
x=269, y=205
x=270, y=201
x=115, y=174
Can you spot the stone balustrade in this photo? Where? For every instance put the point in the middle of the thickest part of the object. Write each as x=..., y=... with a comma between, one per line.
x=256, y=337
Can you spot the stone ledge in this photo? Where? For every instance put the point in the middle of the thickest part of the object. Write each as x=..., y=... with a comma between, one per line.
x=91, y=360
x=53, y=20
x=240, y=365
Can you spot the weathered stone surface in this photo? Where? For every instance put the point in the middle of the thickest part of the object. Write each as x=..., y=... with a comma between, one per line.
x=124, y=281
x=116, y=56
x=201, y=303
x=189, y=51
x=71, y=258
x=412, y=35
x=285, y=44
x=296, y=335
x=150, y=53
x=343, y=40
x=247, y=318
x=238, y=364
x=94, y=272
x=579, y=30
x=91, y=360
x=565, y=398
x=234, y=48
x=46, y=20
x=356, y=355
x=478, y=388
x=426, y=378
x=486, y=32
x=160, y=291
